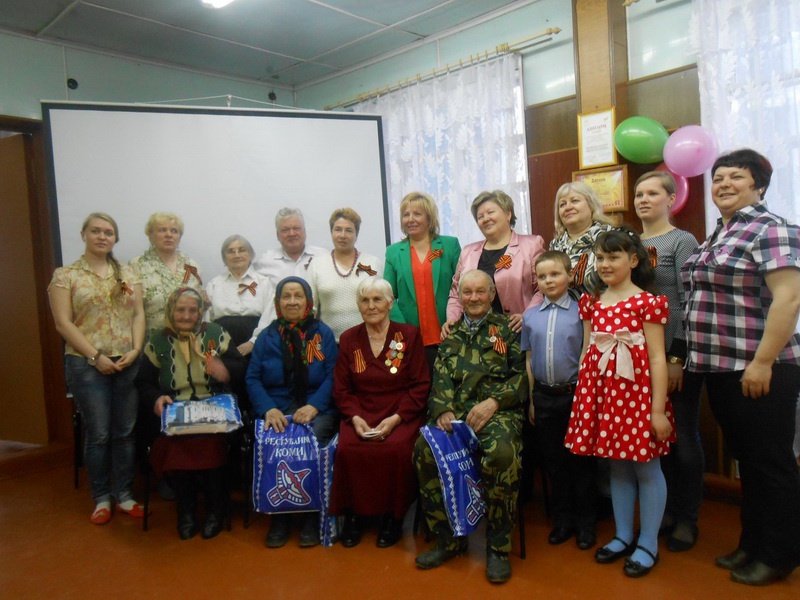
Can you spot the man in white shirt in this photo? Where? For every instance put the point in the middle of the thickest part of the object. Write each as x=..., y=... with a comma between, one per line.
x=294, y=256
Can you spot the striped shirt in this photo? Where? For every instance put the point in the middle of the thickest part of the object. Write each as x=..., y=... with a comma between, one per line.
x=727, y=296
x=672, y=249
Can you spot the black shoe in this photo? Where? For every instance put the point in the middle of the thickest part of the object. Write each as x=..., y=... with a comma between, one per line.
x=390, y=532
x=351, y=534
x=439, y=554
x=278, y=533
x=498, y=568
x=733, y=560
x=165, y=491
x=213, y=525
x=633, y=568
x=187, y=525
x=675, y=544
x=757, y=573
x=585, y=539
x=559, y=535
x=309, y=530
x=605, y=556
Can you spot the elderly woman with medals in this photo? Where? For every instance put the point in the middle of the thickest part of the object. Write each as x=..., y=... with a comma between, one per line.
x=381, y=385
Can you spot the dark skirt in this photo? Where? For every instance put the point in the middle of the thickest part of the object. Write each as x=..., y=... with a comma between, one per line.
x=189, y=452
x=375, y=478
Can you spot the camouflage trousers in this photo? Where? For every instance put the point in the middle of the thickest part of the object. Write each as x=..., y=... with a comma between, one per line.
x=499, y=448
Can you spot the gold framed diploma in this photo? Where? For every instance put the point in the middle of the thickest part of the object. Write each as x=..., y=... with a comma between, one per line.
x=609, y=183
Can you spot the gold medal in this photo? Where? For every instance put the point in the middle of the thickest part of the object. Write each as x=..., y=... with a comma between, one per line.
x=388, y=363
x=400, y=355
x=393, y=370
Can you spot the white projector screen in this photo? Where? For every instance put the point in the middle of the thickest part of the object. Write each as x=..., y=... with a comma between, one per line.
x=223, y=171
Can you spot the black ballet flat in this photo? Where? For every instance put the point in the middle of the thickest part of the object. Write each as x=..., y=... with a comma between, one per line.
x=634, y=568
x=604, y=556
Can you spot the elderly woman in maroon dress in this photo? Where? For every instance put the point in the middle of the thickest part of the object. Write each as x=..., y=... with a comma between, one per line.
x=381, y=385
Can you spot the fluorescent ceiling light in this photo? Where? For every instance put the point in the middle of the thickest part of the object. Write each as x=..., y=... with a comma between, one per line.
x=216, y=3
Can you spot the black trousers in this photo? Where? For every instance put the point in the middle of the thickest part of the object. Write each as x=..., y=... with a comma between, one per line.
x=760, y=433
x=573, y=494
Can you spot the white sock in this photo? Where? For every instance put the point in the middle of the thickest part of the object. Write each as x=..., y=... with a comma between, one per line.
x=102, y=505
x=127, y=505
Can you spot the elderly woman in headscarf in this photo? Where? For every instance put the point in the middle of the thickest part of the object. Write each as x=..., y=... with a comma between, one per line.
x=189, y=360
x=291, y=373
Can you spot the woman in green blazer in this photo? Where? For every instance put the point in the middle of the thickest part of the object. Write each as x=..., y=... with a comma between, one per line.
x=420, y=269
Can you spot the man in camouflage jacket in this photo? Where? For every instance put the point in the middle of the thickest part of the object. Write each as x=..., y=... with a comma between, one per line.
x=479, y=377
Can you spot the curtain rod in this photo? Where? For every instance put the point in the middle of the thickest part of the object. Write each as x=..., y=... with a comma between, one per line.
x=473, y=59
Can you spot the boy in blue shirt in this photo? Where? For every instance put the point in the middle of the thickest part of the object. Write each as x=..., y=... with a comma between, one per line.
x=552, y=337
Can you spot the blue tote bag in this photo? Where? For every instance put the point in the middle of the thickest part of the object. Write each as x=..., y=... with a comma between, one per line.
x=459, y=475
x=286, y=469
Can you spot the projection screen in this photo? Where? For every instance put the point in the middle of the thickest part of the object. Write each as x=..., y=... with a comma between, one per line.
x=223, y=171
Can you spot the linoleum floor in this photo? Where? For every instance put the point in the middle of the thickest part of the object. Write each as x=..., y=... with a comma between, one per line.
x=49, y=549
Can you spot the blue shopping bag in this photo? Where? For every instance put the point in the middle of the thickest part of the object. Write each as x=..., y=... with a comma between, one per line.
x=286, y=469
x=459, y=475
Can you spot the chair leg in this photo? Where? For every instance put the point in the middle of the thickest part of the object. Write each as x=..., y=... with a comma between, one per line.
x=247, y=476
x=146, y=500
x=521, y=518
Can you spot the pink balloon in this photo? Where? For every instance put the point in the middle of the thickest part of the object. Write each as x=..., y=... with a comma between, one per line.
x=690, y=151
x=681, y=189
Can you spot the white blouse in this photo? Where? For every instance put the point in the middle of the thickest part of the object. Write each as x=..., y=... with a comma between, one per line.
x=230, y=298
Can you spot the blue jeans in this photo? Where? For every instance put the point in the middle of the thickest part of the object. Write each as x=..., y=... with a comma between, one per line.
x=108, y=406
x=684, y=466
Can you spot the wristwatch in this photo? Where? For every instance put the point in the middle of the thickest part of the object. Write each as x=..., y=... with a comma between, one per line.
x=93, y=360
x=674, y=360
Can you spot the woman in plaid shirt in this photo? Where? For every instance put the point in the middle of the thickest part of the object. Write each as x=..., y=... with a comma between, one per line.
x=743, y=299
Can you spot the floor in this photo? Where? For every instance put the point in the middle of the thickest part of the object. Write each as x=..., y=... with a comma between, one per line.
x=48, y=549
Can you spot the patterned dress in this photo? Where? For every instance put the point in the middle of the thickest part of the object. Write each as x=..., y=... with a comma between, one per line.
x=611, y=411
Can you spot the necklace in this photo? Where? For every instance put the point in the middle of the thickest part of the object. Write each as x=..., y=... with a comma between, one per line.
x=336, y=267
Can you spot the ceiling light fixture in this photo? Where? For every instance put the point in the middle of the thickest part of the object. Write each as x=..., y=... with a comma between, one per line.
x=216, y=3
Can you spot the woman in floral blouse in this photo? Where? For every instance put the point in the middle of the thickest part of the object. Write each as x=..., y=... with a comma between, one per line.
x=163, y=268
x=97, y=308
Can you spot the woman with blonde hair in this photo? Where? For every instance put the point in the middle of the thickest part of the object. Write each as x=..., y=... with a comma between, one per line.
x=163, y=267
x=97, y=308
x=420, y=270
x=579, y=220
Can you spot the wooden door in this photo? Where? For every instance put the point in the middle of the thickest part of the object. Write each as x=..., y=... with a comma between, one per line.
x=23, y=415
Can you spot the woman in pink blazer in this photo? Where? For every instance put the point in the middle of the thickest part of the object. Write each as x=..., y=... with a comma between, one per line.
x=507, y=257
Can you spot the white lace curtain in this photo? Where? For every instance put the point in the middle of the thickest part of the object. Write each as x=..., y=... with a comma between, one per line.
x=454, y=136
x=749, y=68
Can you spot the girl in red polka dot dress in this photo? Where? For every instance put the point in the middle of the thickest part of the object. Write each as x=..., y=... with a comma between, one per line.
x=620, y=410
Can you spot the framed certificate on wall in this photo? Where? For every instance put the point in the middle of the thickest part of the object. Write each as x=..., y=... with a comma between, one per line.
x=609, y=183
x=596, y=139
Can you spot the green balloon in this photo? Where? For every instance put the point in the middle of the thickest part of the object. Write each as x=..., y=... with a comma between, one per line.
x=641, y=140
